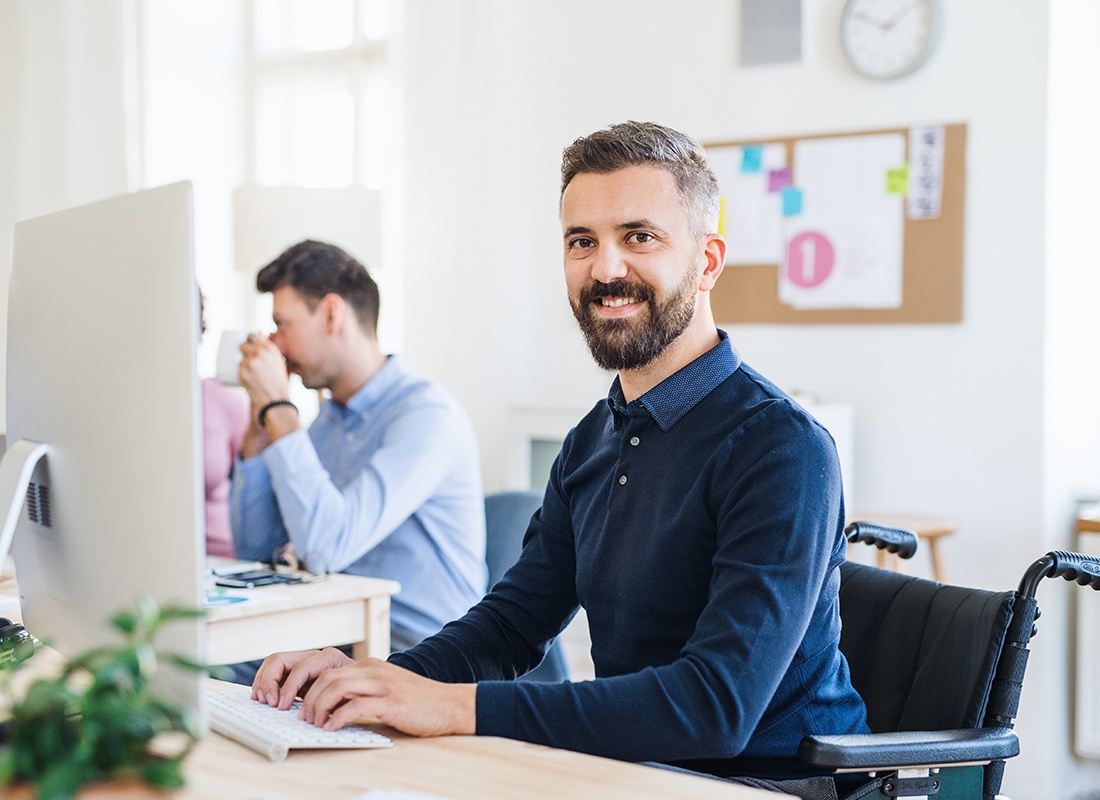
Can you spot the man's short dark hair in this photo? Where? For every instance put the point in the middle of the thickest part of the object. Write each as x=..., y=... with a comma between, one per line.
x=646, y=143
x=315, y=269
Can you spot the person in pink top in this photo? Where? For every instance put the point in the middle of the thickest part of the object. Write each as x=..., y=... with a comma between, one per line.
x=225, y=417
x=224, y=421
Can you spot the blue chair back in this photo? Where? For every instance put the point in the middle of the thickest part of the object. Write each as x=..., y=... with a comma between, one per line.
x=507, y=515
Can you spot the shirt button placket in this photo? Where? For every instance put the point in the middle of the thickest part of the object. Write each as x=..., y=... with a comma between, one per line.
x=633, y=441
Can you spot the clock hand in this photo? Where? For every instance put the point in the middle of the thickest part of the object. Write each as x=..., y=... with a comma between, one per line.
x=869, y=20
x=899, y=15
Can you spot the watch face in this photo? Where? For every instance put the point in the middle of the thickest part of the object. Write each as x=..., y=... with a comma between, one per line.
x=887, y=38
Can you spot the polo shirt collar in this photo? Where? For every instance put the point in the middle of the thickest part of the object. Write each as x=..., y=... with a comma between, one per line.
x=676, y=395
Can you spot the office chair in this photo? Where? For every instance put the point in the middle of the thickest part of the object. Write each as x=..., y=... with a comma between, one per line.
x=940, y=669
x=506, y=517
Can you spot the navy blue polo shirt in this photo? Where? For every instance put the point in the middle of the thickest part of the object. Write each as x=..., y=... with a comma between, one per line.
x=700, y=527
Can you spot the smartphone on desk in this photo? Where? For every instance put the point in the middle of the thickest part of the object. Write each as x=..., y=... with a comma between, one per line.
x=256, y=577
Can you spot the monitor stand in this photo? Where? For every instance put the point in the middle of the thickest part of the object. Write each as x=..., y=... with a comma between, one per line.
x=17, y=468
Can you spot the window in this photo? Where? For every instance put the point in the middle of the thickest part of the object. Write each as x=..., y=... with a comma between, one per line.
x=318, y=88
x=320, y=92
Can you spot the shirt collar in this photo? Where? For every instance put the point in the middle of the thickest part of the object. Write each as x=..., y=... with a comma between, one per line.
x=677, y=394
x=379, y=385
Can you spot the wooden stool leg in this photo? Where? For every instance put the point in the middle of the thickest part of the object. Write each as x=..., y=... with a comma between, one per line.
x=884, y=560
x=937, y=562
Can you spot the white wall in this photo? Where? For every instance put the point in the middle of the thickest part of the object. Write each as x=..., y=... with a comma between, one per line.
x=950, y=419
x=10, y=49
x=1071, y=379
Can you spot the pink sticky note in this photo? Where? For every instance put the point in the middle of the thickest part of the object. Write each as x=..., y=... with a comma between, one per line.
x=779, y=179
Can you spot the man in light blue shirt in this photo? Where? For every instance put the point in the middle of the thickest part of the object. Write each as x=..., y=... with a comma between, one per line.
x=386, y=481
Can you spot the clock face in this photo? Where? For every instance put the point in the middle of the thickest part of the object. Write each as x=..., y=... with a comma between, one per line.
x=887, y=38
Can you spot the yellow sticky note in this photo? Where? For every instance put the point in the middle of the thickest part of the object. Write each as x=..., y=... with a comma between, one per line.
x=897, y=180
x=722, y=215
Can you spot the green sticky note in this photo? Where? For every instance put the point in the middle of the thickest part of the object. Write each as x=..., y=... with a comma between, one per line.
x=897, y=180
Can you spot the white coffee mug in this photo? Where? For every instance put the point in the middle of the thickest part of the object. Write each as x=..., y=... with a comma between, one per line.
x=229, y=357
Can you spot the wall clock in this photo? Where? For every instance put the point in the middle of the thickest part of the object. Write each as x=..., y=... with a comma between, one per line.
x=886, y=39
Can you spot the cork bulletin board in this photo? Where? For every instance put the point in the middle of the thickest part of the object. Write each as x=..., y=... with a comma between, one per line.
x=932, y=257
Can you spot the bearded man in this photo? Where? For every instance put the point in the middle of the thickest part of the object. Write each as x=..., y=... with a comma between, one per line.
x=695, y=514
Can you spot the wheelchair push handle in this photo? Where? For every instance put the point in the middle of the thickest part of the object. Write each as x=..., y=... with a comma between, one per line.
x=1074, y=567
x=901, y=541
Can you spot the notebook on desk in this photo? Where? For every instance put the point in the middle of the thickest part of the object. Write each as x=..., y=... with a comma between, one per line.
x=273, y=732
x=222, y=565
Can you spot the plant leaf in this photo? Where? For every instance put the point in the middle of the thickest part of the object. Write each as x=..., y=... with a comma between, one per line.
x=166, y=773
x=61, y=781
x=125, y=621
x=7, y=766
x=190, y=665
x=98, y=718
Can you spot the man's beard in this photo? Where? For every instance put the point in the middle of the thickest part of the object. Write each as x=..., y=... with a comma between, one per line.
x=632, y=343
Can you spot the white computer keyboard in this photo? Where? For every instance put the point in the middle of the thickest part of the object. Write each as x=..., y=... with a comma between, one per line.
x=273, y=732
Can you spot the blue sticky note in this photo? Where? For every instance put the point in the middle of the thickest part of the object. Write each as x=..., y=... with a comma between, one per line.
x=752, y=158
x=792, y=201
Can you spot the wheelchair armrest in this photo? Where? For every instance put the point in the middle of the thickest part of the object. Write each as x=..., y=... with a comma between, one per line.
x=877, y=751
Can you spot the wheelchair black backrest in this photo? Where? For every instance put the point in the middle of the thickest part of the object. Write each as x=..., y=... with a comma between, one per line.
x=925, y=655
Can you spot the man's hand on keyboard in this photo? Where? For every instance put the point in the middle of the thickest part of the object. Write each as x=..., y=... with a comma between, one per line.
x=400, y=698
x=283, y=677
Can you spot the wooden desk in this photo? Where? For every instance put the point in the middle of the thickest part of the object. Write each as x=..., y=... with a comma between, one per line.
x=448, y=768
x=451, y=767
x=929, y=531
x=1088, y=520
x=340, y=609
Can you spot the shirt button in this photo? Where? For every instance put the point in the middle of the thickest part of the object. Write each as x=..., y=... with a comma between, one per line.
x=622, y=480
x=350, y=437
x=634, y=440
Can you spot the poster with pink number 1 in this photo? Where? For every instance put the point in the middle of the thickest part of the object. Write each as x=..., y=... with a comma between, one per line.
x=843, y=223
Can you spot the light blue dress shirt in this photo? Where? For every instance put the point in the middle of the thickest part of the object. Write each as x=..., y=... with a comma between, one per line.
x=388, y=486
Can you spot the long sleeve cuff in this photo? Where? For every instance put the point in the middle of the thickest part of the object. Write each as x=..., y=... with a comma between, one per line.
x=496, y=709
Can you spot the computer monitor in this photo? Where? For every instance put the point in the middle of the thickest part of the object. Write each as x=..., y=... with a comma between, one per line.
x=103, y=324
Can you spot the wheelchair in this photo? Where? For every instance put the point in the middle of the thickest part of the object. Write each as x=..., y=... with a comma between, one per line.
x=940, y=669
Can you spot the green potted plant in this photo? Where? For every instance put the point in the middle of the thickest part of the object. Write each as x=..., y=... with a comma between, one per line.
x=97, y=719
